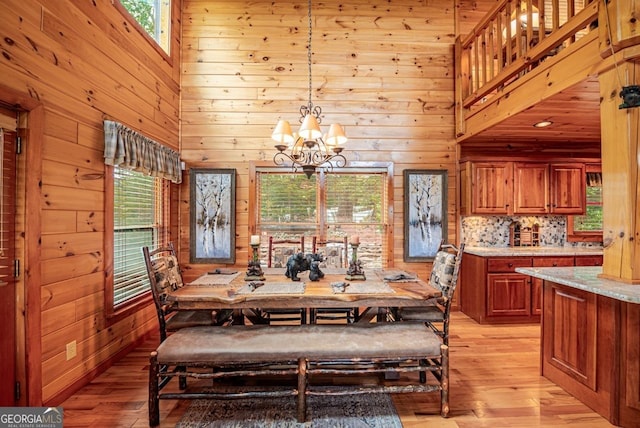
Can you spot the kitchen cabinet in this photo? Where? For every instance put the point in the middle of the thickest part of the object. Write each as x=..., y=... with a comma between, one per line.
x=568, y=189
x=491, y=291
x=590, y=344
x=505, y=188
x=541, y=188
x=578, y=345
x=487, y=187
x=531, y=188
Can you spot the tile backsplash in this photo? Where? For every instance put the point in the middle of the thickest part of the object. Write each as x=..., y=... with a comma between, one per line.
x=493, y=231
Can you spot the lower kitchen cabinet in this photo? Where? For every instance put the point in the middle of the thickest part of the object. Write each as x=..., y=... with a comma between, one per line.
x=492, y=292
x=508, y=295
x=590, y=347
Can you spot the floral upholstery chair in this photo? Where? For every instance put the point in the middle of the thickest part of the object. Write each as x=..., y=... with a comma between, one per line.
x=164, y=278
x=444, y=276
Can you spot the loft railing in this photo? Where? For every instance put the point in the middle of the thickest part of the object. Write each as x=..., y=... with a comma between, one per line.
x=503, y=47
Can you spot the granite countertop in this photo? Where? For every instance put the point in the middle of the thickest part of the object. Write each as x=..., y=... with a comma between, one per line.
x=532, y=251
x=586, y=278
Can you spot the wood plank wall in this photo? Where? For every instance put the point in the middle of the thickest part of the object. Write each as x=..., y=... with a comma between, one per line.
x=384, y=70
x=82, y=62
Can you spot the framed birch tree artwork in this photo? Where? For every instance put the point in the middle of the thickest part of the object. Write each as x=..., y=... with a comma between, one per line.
x=212, y=215
x=425, y=213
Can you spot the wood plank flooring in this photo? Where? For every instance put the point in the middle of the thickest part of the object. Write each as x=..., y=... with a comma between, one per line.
x=494, y=382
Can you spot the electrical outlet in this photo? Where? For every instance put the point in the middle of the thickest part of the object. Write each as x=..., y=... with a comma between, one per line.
x=71, y=350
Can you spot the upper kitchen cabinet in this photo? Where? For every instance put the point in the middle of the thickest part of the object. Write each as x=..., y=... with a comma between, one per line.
x=541, y=188
x=487, y=188
x=568, y=188
x=506, y=188
x=531, y=188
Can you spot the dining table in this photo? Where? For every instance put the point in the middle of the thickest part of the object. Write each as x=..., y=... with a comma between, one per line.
x=229, y=289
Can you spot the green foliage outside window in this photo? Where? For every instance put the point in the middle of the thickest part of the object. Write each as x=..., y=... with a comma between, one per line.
x=592, y=220
x=143, y=11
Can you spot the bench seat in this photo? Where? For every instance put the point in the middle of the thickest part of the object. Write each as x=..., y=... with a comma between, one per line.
x=260, y=343
x=300, y=351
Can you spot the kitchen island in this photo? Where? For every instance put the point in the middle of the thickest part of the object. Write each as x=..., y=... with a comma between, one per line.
x=491, y=291
x=590, y=343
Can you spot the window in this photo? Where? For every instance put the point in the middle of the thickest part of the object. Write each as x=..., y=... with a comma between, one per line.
x=153, y=16
x=139, y=217
x=588, y=227
x=328, y=205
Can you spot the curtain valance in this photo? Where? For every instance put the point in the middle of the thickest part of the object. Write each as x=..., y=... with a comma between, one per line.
x=128, y=149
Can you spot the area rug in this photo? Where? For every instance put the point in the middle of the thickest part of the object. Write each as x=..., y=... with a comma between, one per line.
x=359, y=410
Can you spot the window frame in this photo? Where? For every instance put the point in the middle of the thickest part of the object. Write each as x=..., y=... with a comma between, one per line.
x=584, y=236
x=115, y=313
x=358, y=167
x=166, y=54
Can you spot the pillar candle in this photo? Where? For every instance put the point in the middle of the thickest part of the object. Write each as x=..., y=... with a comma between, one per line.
x=355, y=239
x=255, y=239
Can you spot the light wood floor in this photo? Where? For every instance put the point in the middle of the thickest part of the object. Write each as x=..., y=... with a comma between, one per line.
x=494, y=382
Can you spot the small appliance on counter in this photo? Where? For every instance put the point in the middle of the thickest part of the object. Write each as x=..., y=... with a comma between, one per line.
x=520, y=236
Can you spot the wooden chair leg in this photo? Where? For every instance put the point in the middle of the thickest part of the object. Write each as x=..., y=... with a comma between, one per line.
x=302, y=390
x=154, y=408
x=444, y=381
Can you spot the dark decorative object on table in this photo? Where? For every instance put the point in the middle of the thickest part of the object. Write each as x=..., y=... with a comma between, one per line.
x=254, y=270
x=301, y=262
x=314, y=270
x=355, y=271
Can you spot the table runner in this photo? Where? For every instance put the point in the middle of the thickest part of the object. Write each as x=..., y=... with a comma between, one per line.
x=216, y=279
x=273, y=288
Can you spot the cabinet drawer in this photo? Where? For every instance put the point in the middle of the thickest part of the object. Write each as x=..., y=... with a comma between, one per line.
x=508, y=264
x=588, y=260
x=553, y=261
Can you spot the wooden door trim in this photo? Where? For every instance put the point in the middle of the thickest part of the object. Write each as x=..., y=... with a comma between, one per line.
x=29, y=330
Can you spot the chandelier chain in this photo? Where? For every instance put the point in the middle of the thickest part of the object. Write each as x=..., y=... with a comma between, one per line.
x=309, y=60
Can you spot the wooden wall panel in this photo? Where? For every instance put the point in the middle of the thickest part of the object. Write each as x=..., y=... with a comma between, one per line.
x=384, y=72
x=81, y=62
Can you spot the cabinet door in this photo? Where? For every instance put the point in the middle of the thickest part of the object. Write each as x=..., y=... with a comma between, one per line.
x=531, y=188
x=570, y=333
x=568, y=189
x=492, y=187
x=508, y=294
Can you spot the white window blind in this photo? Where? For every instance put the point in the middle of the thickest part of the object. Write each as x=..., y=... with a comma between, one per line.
x=330, y=206
x=138, y=220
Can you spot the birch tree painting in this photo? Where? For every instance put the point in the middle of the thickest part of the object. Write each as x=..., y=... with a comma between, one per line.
x=425, y=213
x=212, y=216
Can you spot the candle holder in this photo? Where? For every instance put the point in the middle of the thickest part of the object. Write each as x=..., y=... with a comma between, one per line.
x=254, y=271
x=355, y=272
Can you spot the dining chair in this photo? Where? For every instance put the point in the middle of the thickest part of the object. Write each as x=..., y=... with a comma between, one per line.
x=164, y=277
x=335, y=256
x=444, y=277
x=278, y=252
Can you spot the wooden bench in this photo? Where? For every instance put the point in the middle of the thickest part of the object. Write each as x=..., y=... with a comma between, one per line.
x=299, y=352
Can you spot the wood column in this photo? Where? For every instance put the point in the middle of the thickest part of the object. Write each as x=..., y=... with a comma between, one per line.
x=620, y=159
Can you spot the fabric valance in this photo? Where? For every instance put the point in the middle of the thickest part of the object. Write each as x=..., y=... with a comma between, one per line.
x=126, y=148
